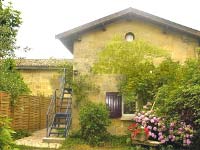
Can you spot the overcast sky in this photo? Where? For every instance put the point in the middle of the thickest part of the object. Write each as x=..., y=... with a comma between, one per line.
x=43, y=19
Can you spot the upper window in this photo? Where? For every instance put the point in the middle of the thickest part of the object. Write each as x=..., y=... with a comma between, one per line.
x=129, y=37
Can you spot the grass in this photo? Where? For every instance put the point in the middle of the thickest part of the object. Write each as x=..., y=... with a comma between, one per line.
x=78, y=144
x=22, y=147
x=74, y=142
x=113, y=142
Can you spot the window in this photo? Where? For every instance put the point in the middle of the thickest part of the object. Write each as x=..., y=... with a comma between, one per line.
x=129, y=107
x=119, y=107
x=129, y=37
x=114, y=103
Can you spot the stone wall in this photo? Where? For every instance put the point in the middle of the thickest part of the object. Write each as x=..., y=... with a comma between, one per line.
x=41, y=82
x=179, y=45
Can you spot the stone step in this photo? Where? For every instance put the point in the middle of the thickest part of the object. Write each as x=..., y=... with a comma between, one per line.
x=147, y=143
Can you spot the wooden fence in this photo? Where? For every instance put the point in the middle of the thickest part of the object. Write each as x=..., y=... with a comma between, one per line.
x=29, y=112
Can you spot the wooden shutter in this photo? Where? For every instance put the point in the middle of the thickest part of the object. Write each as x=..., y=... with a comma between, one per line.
x=114, y=103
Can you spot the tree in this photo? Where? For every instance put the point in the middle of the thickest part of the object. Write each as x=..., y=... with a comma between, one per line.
x=10, y=80
x=134, y=62
x=9, y=24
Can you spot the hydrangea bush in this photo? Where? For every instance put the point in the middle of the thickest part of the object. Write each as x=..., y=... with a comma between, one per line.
x=168, y=132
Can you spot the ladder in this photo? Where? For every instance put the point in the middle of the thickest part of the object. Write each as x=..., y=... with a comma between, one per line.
x=59, y=114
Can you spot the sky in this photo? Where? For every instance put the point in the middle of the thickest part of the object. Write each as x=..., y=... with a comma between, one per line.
x=43, y=19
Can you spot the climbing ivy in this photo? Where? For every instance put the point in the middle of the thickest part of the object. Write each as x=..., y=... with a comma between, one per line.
x=134, y=62
x=81, y=84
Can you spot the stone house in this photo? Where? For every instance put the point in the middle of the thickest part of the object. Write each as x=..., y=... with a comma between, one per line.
x=85, y=41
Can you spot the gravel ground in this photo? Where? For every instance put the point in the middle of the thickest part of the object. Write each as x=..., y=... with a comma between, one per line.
x=35, y=140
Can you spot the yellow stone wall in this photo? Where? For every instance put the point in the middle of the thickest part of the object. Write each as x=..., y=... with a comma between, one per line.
x=41, y=82
x=179, y=45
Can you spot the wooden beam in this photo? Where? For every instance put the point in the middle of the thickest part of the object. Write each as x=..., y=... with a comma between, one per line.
x=199, y=42
x=130, y=17
x=77, y=37
x=165, y=30
x=103, y=27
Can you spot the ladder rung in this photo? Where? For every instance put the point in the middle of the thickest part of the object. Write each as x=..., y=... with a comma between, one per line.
x=57, y=128
x=56, y=133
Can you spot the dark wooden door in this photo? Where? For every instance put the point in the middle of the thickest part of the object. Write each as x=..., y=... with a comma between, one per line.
x=114, y=103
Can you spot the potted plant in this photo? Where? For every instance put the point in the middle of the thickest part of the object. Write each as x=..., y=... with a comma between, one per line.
x=138, y=132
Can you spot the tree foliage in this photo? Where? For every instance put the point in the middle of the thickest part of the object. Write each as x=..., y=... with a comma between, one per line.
x=11, y=80
x=180, y=98
x=134, y=62
x=173, y=86
x=9, y=23
x=6, y=141
x=121, y=57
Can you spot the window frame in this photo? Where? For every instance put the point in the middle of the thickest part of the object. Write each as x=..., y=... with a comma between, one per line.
x=123, y=114
x=128, y=35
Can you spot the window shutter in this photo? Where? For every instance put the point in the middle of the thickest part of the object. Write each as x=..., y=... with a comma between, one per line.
x=114, y=103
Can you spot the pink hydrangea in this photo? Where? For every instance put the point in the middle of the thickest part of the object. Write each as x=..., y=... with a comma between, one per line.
x=152, y=120
x=163, y=141
x=160, y=133
x=154, y=128
x=172, y=124
x=188, y=142
x=149, y=127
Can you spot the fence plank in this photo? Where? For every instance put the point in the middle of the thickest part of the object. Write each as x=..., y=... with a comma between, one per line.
x=29, y=112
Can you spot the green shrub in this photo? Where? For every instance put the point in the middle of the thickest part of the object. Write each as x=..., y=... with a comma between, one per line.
x=6, y=141
x=20, y=134
x=180, y=98
x=94, y=118
x=196, y=141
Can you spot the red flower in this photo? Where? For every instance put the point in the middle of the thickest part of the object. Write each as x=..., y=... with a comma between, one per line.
x=132, y=126
x=146, y=130
x=138, y=130
x=134, y=133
